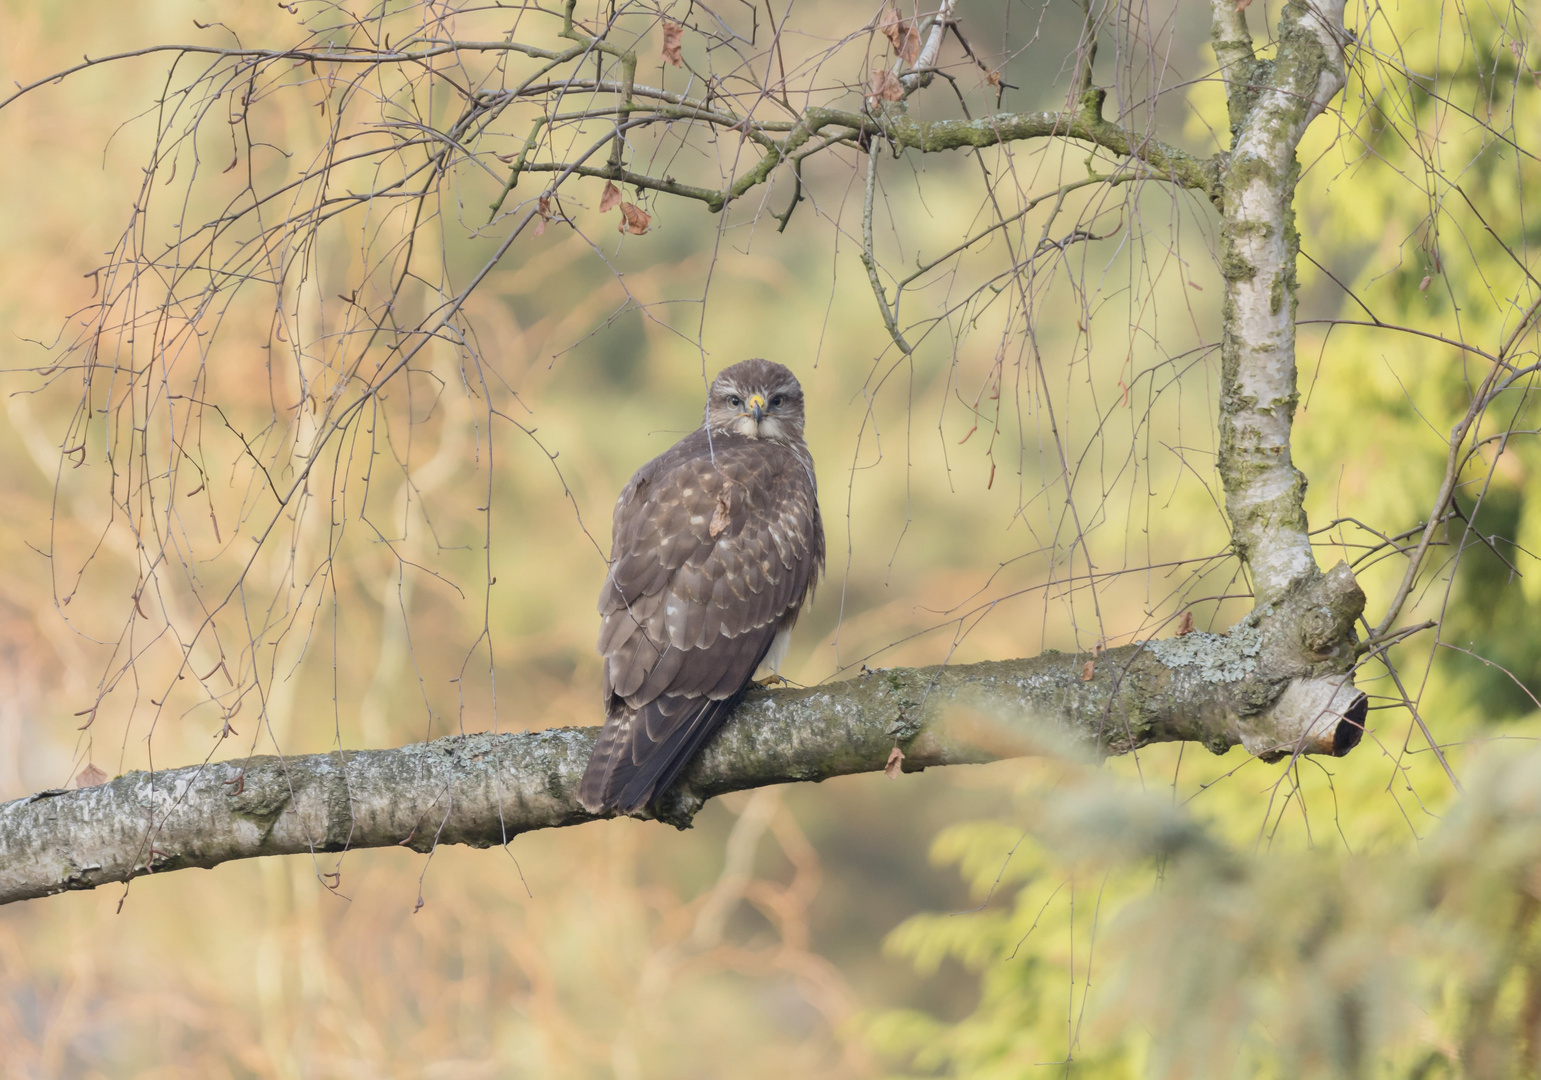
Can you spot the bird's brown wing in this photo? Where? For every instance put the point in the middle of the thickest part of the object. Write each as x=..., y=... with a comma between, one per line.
x=716, y=547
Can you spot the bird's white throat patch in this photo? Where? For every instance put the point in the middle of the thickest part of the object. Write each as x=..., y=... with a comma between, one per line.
x=769, y=427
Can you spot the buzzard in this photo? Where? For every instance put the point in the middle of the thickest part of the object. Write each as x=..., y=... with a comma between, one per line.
x=717, y=543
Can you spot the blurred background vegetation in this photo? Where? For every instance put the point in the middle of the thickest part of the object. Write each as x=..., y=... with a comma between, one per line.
x=1172, y=913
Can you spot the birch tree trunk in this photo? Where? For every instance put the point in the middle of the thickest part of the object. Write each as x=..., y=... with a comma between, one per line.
x=1271, y=103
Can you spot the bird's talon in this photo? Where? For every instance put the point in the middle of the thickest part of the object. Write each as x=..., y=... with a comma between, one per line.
x=771, y=680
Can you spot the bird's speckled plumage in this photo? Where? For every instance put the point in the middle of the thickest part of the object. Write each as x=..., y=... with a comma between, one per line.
x=717, y=543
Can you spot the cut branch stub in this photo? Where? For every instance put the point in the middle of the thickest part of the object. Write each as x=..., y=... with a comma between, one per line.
x=1308, y=645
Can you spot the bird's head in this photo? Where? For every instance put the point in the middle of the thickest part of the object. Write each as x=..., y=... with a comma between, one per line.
x=758, y=400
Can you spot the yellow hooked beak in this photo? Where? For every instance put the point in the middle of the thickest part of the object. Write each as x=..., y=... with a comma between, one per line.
x=757, y=406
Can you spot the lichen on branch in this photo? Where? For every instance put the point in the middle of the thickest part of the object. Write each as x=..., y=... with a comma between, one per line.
x=1220, y=690
x=1264, y=491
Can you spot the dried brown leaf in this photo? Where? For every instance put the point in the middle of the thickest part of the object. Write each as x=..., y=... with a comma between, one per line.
x=901, y=34
x=895, y=763
x=1087, y=670
x=720, y=516
x=610, y=199
x=994, y=79
x=91, y=776
x=634, y=219
x=1423, y=286
x=1185, y=624
x=885, y=86
x=1098, y=649
x=544, y=215
x=671, y=42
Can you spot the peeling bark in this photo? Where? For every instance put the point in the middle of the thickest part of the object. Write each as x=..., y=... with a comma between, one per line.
x=1220, y=690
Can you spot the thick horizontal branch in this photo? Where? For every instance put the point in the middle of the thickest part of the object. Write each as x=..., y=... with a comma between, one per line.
x=482, y=790
x=1085, y=125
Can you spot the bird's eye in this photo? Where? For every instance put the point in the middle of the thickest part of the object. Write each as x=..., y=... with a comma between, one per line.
x=777, y=401
x=736, y=402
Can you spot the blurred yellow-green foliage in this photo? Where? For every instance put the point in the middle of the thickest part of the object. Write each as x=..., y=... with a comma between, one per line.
x=1173, y=913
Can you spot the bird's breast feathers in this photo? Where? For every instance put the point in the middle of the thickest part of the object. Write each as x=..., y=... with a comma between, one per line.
x=711, y=542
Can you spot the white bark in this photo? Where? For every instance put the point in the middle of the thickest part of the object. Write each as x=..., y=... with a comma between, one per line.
x=925, y=63
x=1271, y=106
x=1308, y=718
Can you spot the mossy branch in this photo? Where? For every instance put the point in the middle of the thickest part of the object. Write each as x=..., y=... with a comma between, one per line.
x=1268, y=685
x=1085, y=125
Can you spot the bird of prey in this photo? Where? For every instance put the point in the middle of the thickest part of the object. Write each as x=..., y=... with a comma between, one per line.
x=717, y=544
